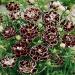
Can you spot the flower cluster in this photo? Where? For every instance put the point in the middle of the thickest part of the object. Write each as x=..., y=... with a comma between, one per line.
x=30, y=31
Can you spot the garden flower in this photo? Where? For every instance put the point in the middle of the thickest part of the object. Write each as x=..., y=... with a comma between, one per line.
x=27, y=66
x=68, y=25
x=29, y=32
x=51, y=16
x=8, y=32
x=20, y=49
x=69, y=40
x=39, y=53
x=8, y=61
x=12, y=6
x=32, y=14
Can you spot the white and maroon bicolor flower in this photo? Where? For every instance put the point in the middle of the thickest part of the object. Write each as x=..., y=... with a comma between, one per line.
x=50, y=35
x=54, y=4
x=12, y=6
x=39, y=52
x=29, y=32
x=27, y=66
x=51, y=16
x=20, y=49
x=32, y=14
x=8, y=32
x=68, y=25
x=8, y=61
x=69, y=40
